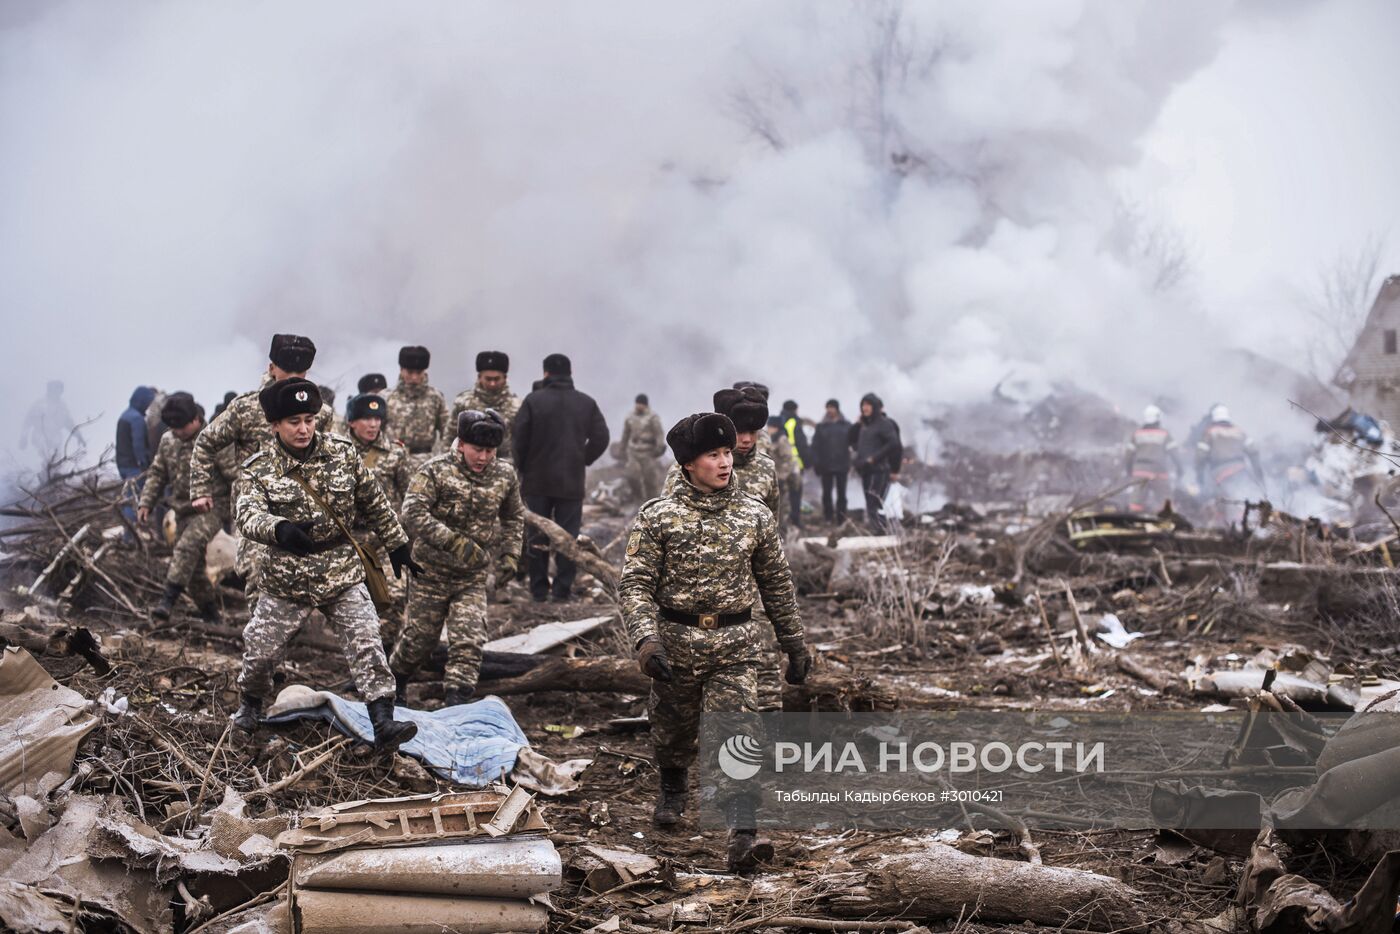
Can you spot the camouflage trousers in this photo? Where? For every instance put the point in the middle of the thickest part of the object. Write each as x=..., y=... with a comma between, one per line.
x=770, y=662
x=784, y=502
x=276, y=620
x=644, y=474
x=248, y=559
x=192, y=537
x=459, y=604
x=391, y=620
x=715, y=671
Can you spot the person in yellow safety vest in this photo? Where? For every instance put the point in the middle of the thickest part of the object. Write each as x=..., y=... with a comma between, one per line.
x=801, y=457
x=1230, y=458
x=1152, y=459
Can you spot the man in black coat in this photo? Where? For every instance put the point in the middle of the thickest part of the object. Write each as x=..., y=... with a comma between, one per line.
x=879, y=452
x=831, y=453
x=558, y=432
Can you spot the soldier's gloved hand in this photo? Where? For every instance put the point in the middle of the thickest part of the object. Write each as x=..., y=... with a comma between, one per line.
x=402, y=557
x=468, y=552
x=506, y=569
x=294, y=537
x=651, y=658
x=799, y=663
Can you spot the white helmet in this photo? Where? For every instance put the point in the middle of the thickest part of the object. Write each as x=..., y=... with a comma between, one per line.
x=1219, y=414
x=1151, y=415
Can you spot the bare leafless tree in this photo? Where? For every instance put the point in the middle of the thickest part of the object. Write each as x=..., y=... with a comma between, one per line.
x=1149, y=243
x=1337, y=303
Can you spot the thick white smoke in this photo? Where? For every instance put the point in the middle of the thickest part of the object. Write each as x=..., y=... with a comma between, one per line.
x=913, y=198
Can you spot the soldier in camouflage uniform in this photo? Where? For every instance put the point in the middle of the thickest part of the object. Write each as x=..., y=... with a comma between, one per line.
x=243, y=426
x=643, y=442
x=785, y=464
x=756, y=475
x=492, y=391
x=695, y=560
x=193, y=530
x=461, y=508
x=389, y=462
x=316, y=567
x=417, y=411
x=370, y=384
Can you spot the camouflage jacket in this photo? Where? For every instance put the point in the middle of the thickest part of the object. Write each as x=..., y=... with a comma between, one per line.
x=242, y=425
x=642, y=432
x=171, y=468
x=754, y=474
x=418, y=417
x=705, y=553
x=503, y=401
x=267, y=495
x=390, y=463
x=784, y=460
x=447, y=502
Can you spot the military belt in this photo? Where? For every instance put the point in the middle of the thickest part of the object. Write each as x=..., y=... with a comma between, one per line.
x=323, y=547
x=707, y=620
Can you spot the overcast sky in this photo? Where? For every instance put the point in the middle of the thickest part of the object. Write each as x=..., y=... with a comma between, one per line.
x=679, y=195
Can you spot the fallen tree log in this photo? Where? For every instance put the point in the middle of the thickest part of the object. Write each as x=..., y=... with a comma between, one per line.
x=1163, y=681
x=942, y=882
x=562, y=541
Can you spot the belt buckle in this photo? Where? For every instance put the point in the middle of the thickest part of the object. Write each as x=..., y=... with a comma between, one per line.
x=709, y=621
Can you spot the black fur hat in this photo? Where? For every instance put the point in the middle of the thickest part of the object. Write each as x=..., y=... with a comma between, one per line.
x=747, y=408
x=179, y=410
x=288, y=397
x=556, y=364
x=367, y=405
x=492, y=360
x=699, y=434
x=484, y=429
x=750, y=384
x=292, y=352
x=414, y=358
x=372, y=382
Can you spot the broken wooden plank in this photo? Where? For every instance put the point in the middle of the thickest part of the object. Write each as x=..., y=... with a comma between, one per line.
x=546, y=636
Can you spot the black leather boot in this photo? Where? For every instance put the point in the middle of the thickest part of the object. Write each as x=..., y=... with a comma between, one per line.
x=400, y=690
x=249, y=713
x=389, y=733
x=453, y=696
x=209, y=611
x=747, y=850
x=166, y=606
x=670, y=803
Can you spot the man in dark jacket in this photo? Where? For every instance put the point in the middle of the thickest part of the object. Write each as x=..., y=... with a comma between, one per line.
x=831, y=453
x=875, y=439
x=133, y=447
x=558, y=432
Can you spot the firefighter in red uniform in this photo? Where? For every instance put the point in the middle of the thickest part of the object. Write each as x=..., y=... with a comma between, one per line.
x=1152, y=461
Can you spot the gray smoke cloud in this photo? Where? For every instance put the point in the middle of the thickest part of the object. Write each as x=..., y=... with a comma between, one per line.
x=918, y=199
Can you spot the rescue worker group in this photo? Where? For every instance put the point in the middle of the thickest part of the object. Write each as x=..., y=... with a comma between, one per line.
x=404, y=516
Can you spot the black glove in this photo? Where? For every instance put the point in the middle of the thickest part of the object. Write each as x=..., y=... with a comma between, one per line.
x=651, y=658
x=401, y=557
x=799, y=663
x=294, y=537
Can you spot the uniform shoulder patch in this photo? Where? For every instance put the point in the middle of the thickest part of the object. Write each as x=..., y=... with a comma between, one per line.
x=248, y=461
x=634, y=541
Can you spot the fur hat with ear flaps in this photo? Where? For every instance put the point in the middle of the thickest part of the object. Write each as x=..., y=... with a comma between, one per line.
x=288, y=397
x=699, y=434
x=747, y=408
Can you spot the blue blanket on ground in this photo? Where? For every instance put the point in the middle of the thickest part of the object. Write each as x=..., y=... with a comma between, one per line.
x=471, y=744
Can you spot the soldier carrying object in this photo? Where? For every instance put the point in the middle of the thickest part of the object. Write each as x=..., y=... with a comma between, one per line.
x=388, y=460
x=492, y=391
x=418, y=411
x=295, y=496
x=461, y=508
x=194, y=530
x=695, y=558
x=244, y=426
